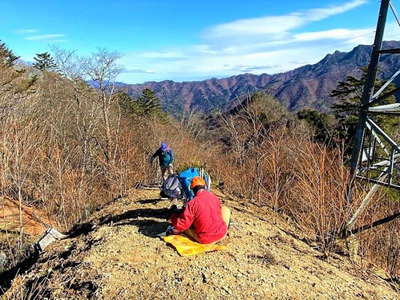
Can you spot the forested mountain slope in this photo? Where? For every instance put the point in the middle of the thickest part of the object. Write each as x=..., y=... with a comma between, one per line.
x=307, y=86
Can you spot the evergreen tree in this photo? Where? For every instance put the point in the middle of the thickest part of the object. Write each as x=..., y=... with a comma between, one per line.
x=151, y=103
x=146, y=105
x=7, y=57
x=129, y=106
x=44, y=62
x=348, y=94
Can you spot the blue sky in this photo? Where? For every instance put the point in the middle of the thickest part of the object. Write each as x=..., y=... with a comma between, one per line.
x=193, y=40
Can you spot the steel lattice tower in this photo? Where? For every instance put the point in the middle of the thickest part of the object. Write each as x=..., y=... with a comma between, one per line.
x=376, y=154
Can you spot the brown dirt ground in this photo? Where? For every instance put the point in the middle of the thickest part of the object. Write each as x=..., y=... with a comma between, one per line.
x=115, y=256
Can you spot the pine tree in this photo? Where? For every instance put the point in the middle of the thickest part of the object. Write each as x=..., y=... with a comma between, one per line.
x=7, y=57
x=44, y=62
x=130, y=107
x=150, y=102
x=146, y=105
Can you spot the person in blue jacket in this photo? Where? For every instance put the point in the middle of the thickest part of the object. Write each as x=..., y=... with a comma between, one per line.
x=166, y=158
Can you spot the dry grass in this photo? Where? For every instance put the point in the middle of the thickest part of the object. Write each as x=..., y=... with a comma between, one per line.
x=59, y=154
x=307, y=181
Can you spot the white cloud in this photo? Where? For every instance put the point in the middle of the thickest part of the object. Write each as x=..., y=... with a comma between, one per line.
x=26, y=31
x=322, y=13
x=270, y=44
x=336, y=34
x=44, y=37
x=276, y=25
x=138, y=71
x=198, y=65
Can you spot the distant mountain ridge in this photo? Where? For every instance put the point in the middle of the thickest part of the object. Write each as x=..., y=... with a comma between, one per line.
x=307, y=86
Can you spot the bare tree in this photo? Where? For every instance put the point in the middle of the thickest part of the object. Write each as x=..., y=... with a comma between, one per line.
x=102, y=70
x=68, y=63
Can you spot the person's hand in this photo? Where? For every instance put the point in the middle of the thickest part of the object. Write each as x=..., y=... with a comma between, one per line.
x=174, y=231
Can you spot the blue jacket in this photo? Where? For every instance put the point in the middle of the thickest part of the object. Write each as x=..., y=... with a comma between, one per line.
x=165, y=158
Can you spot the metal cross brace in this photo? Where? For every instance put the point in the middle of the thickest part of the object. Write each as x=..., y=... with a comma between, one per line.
x=376, y=154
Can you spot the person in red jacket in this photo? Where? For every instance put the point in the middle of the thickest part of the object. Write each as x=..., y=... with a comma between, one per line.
x=203, y=218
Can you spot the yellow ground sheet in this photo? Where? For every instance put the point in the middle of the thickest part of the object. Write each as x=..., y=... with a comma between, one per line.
x=187, y=247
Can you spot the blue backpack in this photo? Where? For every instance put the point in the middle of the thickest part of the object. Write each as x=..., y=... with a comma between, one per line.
x=186, y=176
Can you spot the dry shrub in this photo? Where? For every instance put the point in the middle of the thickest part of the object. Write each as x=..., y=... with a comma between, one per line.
x=291, y=174
x=317, y=193
x=67, y=149
x=307, y=181
x=278, y=156
x=381, y=244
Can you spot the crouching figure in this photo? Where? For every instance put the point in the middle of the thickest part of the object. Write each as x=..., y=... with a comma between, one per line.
x=203, y=218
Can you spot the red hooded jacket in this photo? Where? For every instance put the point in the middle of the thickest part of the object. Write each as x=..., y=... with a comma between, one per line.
x=203, y=213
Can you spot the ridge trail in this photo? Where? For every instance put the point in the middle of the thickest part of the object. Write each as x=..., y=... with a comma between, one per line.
x=116, y=256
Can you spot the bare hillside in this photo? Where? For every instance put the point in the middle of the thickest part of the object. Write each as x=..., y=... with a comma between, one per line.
x=117, y=256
